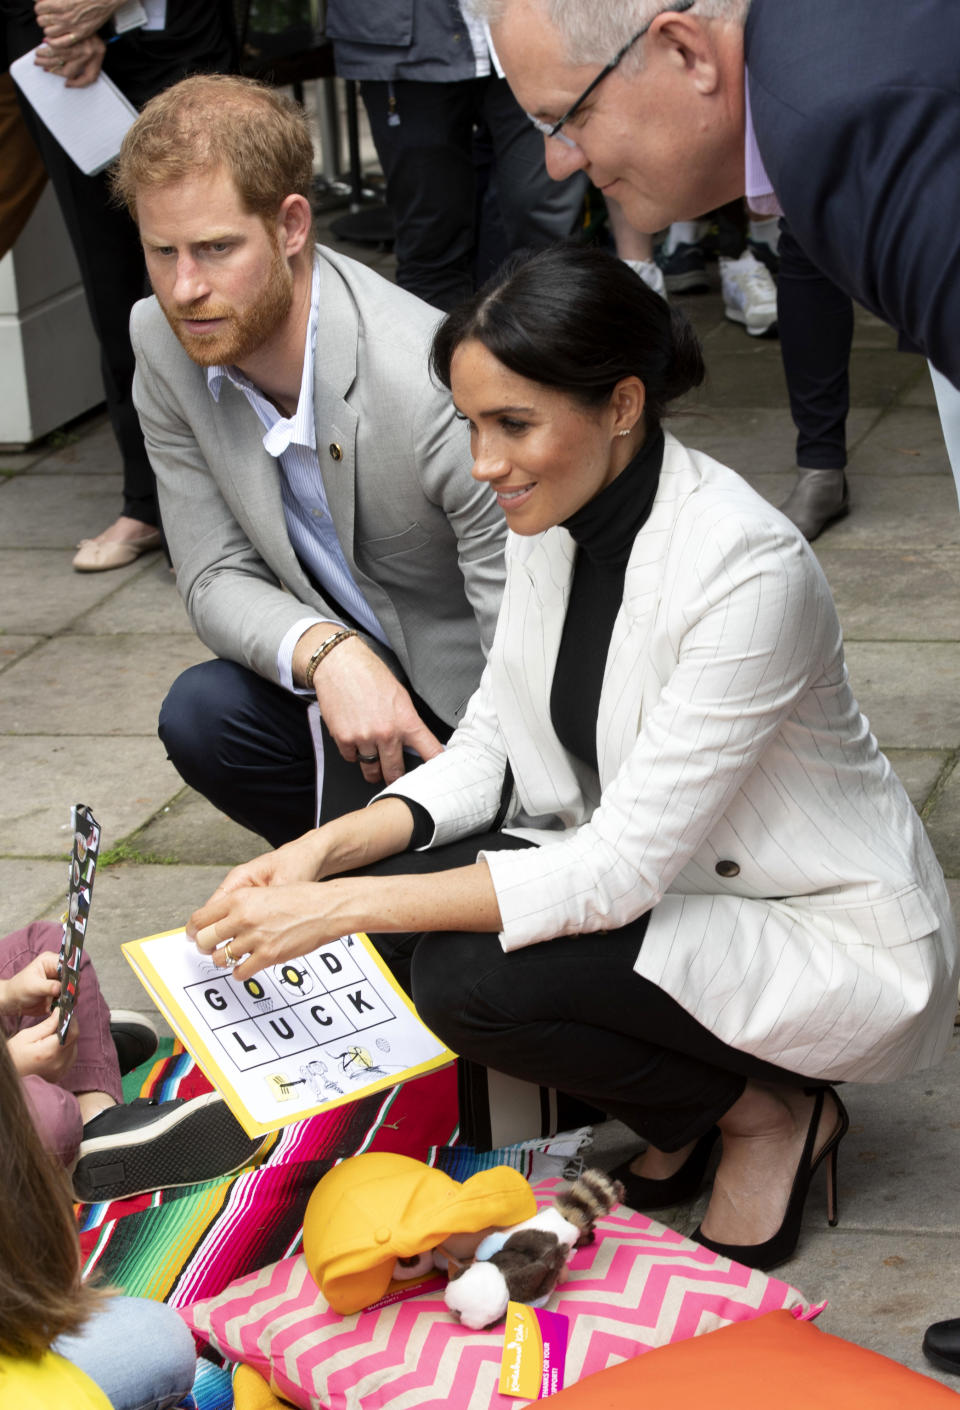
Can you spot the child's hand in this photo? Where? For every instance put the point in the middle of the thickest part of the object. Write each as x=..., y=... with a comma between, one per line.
x=38, y=1051
x=31, y=992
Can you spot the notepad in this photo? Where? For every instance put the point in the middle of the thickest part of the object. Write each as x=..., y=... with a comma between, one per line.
x=89, y=123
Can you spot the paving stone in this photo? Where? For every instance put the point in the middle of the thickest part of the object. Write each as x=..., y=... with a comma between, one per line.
x=14, y=460
x=918, y=771
x=41, y=593
x=900, y=1153
x=899, y=511
x=747, y=376
x=878, y=377
x=124, y=680
x=13, y=647
x=195, y=832
x=149, y=603
x=889, y=594
x=29, y=889
x=903, y=441
x=90, y=448
x=758, y=440
x=57, y=511
x=920, y=392
x=124, y=780
x=942, y=820
x=908, y=690
x=882, y=1290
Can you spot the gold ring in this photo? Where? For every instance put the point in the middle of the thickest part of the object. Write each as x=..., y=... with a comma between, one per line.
x=228, y=954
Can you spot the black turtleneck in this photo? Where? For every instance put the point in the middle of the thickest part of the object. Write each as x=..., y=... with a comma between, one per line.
x=604, y=531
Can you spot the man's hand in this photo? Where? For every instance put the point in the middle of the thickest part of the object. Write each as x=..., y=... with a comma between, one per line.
x=368, y=712
x=31, y=991
x=38, y=1050
x=71, y=20
x=78, y=64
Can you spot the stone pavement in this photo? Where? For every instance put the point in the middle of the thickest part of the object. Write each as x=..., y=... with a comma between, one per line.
x=85, y=661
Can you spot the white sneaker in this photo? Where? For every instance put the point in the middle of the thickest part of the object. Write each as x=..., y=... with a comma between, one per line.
x=749, y=294
x=651, y=274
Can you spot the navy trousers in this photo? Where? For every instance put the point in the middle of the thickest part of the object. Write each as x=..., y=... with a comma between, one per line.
x=245, y=744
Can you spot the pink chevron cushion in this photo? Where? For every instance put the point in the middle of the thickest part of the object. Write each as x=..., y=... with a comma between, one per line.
x=640, y=1285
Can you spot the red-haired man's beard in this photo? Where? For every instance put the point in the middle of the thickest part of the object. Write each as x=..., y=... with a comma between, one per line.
x=233, y=333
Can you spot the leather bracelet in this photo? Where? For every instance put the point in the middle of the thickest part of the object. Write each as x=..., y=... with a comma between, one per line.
x=324, y=649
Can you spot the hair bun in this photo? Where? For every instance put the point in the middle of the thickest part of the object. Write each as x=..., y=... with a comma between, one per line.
x=685, y=368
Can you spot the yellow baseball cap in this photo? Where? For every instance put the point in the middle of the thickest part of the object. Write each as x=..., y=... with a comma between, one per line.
x=377, y=1207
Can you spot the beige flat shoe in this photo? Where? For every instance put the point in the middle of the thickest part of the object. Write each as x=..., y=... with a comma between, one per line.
x=99, y=555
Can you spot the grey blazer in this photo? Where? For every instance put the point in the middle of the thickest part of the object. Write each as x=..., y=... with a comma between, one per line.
x=796, y=907
x=423, y=540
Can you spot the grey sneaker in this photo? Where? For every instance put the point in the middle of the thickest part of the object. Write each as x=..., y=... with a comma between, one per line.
x=749, y=294
x=151, y=1145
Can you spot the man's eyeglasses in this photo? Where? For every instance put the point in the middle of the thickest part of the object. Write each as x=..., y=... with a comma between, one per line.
x=552, y=129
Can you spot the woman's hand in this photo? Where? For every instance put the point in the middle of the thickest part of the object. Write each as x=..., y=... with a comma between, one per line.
x=266, y=925
x=71, y=20
x=77, y=64
x=37, y=1051
x=31, y=991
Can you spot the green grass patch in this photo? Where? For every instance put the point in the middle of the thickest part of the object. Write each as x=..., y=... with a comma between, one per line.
x=128, y=852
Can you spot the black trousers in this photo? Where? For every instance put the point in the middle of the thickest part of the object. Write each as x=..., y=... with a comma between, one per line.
x=571, y=1013
x=246, y=745
x=105, y=240
x=816, y=332
x=424, y=136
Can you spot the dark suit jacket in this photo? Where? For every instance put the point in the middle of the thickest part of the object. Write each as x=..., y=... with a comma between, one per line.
x=856, y=105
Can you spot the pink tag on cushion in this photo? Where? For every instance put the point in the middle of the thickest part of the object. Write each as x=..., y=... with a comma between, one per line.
x=534, y=1352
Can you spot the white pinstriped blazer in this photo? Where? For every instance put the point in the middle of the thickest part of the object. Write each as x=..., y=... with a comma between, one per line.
x=798, y=910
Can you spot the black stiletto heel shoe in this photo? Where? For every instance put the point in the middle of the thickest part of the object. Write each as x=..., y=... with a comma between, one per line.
x=779, y=1247
x=643, y=1193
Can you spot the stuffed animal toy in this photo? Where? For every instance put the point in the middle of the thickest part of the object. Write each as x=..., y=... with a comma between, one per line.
x=373, y=1213
x=524, y=1264
x=377, y=1220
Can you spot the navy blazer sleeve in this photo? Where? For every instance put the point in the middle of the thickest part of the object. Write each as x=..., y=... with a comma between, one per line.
x=856, y=108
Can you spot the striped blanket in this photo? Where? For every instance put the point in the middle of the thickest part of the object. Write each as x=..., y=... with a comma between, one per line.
x=181, y=1245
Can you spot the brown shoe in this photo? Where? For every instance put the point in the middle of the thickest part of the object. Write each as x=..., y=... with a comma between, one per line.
x=99, y=555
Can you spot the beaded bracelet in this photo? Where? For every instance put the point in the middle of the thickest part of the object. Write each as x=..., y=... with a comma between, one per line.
x=324, y=649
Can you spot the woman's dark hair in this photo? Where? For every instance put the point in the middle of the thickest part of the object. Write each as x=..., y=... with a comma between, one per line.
x=577, y=318
x=41, y=1295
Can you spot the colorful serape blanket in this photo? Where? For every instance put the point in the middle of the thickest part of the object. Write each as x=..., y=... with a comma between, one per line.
x=181, y=1245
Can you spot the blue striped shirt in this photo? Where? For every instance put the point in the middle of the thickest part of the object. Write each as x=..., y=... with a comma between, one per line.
x=292, y=441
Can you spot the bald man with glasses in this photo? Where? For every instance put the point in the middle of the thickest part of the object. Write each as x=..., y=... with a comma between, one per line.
x=843, y=117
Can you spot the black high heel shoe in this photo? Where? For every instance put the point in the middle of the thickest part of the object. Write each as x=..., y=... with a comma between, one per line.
x=778, y=1248
x=642, y=1193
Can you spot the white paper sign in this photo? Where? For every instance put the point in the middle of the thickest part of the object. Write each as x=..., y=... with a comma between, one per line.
x=297, y=1038
x=89, y=123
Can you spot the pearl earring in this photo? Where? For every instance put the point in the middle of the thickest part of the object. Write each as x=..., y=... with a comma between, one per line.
x=623, y=433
